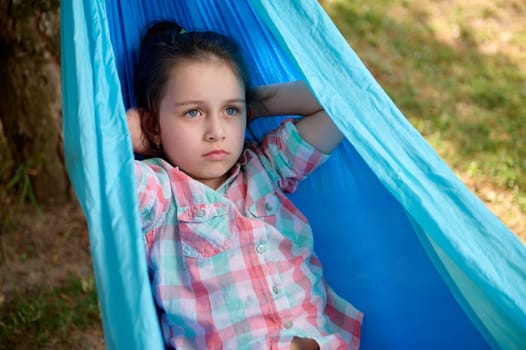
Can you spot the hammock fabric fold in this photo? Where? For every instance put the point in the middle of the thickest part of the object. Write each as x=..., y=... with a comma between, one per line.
x=398, y=234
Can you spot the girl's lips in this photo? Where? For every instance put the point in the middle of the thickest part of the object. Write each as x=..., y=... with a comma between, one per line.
x=216, y=154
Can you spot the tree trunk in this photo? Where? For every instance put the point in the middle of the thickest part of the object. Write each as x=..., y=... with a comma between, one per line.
x=30, y=98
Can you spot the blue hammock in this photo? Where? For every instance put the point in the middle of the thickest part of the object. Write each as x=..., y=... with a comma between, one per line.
x=399, y=235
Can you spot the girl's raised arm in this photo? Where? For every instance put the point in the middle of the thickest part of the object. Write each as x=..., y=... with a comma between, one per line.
x=295, y=98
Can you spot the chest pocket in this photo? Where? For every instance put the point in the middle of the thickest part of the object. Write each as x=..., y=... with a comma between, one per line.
x=203, y=230
x=265, y=206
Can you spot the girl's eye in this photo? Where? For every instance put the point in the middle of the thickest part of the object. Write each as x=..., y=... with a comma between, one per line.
x=193, y=113
x=231, y=111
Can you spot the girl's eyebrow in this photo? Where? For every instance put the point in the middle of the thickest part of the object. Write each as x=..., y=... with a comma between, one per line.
x=189, y=102
x=197, y=102
x=236, y=100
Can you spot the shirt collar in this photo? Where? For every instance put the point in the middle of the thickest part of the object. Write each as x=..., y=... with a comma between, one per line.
x=234, y=172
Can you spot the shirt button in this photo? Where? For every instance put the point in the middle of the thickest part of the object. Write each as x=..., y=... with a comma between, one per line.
x=268, y=206
x=260, y=248
x=287, y=324
x=200, y=213
x=275, y=289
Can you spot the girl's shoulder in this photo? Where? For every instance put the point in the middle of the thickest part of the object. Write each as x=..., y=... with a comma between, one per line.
x=154, y=163
x=153, y=170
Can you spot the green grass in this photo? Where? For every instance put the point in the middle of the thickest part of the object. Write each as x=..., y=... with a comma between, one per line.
x=35, y=319
x=469, y=105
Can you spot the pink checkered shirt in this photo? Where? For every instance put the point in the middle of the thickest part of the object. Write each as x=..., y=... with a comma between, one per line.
x=234, y=268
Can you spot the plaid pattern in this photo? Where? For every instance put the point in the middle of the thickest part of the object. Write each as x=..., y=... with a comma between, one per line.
x=234, y=268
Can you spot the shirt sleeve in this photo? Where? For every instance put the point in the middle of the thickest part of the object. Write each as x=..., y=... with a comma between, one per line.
x=345, y=319
x=287, y=157
x=154, y=193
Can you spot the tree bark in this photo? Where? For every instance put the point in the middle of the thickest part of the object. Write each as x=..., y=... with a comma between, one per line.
x=30, y=98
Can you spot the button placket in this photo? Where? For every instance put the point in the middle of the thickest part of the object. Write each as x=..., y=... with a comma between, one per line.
x=276, y=289
x=260, y=248
x=287, y=324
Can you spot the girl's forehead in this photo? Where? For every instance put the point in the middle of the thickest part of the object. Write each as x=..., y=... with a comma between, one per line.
x=204, y=78
x=205, y=70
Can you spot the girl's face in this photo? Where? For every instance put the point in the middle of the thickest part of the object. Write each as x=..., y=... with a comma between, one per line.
x=202, y=120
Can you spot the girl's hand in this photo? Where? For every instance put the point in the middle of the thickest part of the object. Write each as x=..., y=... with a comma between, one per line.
x=139, y=142
x=303, y=344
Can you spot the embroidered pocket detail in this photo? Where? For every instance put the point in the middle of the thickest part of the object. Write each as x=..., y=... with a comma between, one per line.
x=267, y=205
x=203, y=229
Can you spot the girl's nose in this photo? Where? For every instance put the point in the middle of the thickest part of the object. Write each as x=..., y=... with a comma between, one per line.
x=215, y=129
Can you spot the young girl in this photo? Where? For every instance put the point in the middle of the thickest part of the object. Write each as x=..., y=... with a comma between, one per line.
x=230, y=257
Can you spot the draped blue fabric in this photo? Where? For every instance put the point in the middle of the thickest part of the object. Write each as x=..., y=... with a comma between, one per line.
x=398, y=234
